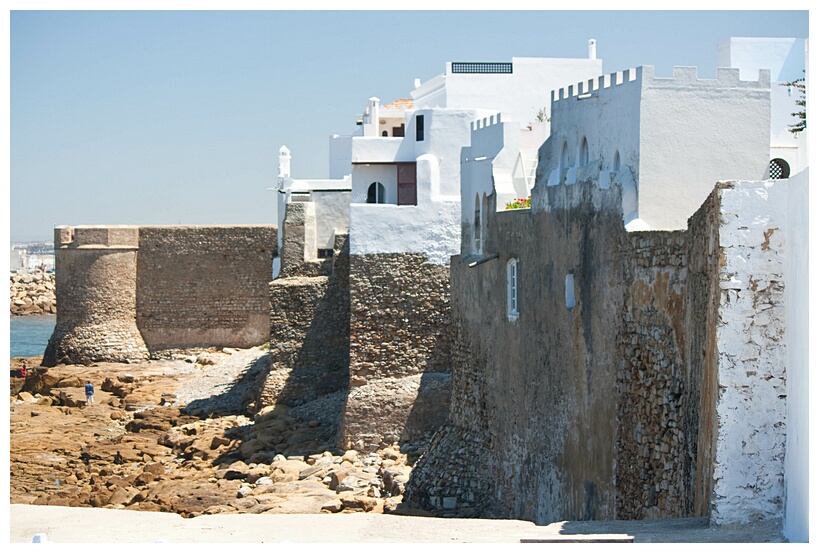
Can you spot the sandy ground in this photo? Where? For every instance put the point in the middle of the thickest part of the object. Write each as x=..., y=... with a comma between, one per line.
x=85, y=525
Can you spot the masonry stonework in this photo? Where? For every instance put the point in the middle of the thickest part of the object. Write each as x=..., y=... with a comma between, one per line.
x=201, y=286
x=309, y=333
x=400, y=339
x=635, y=401
x=126, y=292
x=96, y=272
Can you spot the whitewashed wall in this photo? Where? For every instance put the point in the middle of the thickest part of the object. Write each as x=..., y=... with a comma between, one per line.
x=752, y=410
x=610, y=121
x=797, y=305
x=433, y=226
x=695, y=132
x=519, y=95
x=784, y=57
x=332, y=215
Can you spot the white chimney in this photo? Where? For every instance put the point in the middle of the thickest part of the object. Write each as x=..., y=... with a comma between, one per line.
x=592, y=49
x=417, y=83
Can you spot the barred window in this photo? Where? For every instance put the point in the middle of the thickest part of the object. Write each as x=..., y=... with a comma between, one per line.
x=481, y=67
x=779, y=169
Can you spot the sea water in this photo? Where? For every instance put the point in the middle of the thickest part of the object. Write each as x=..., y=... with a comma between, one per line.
x=29, y=334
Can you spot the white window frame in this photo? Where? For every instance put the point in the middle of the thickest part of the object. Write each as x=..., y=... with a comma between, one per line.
x=512, y=289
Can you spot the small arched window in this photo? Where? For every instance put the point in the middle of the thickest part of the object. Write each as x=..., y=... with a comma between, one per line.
x=779, y=169
x=384, y=133
x=616, y=163
x=583, y=153
x=375, y=193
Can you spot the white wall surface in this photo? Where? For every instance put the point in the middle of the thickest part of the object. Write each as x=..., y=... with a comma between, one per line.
x=784, y=57
x=519, y=95
x=694, y=133
x=797, y=306
x=332, y=216
x=433, y=230
x=752, y=410
x=364, y=175
x=340, y=152
x=610, y=122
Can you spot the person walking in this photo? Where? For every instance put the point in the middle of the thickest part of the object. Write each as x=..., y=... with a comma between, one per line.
x=89, y=393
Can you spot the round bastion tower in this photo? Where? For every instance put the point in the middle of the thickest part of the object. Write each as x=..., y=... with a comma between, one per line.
x=96, y=270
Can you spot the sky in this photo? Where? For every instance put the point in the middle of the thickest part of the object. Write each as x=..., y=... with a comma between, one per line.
x=176, y=117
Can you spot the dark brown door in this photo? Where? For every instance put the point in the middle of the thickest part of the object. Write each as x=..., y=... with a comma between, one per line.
x=407, y=189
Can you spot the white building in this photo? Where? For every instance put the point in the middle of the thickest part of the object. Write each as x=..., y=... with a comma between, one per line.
x=665, y=141
x=406, y=185
x=327, y=210
x=785, y=58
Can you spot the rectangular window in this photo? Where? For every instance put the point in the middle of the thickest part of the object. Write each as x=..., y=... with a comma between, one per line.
x=325, y=253
x=419, y=128
x=481, y=67
x=512, y=289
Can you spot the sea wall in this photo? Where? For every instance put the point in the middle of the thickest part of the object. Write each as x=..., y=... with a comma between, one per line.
x=127, y=292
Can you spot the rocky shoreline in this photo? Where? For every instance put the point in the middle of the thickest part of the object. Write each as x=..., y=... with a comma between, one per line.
x=32, y=294
x=173, y=436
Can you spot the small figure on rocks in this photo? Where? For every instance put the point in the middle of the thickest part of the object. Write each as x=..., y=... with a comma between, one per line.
x=89, y=393
x=23, y=370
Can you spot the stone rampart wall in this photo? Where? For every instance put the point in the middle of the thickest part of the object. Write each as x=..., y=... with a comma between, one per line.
x=400, y=340
x=309, y=334
x=204, y=285
x=538, y=389
x=125, y=291
x=651, y=436
x=658, y=394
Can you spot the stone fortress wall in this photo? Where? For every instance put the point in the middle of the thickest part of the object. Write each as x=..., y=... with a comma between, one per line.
x=373, y=327
x=128, y=292
x=634, y=401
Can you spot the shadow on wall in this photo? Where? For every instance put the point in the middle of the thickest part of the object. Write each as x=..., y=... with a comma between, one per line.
x=430, y=410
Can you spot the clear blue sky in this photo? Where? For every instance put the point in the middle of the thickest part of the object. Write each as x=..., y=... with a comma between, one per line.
x=166, y=117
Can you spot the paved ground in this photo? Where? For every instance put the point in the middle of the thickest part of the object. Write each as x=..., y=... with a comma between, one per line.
x=85, y=525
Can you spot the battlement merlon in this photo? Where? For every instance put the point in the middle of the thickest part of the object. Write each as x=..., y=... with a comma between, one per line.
x=115, y=237
x=683, y=76
x=486, y=122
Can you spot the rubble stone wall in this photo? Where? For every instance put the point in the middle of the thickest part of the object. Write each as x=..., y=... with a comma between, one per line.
x=660, y=393
x=400, y=340
x=309, y=334
x=651, y=432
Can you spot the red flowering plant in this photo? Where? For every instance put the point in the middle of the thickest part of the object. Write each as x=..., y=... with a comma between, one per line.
x=519, y=203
